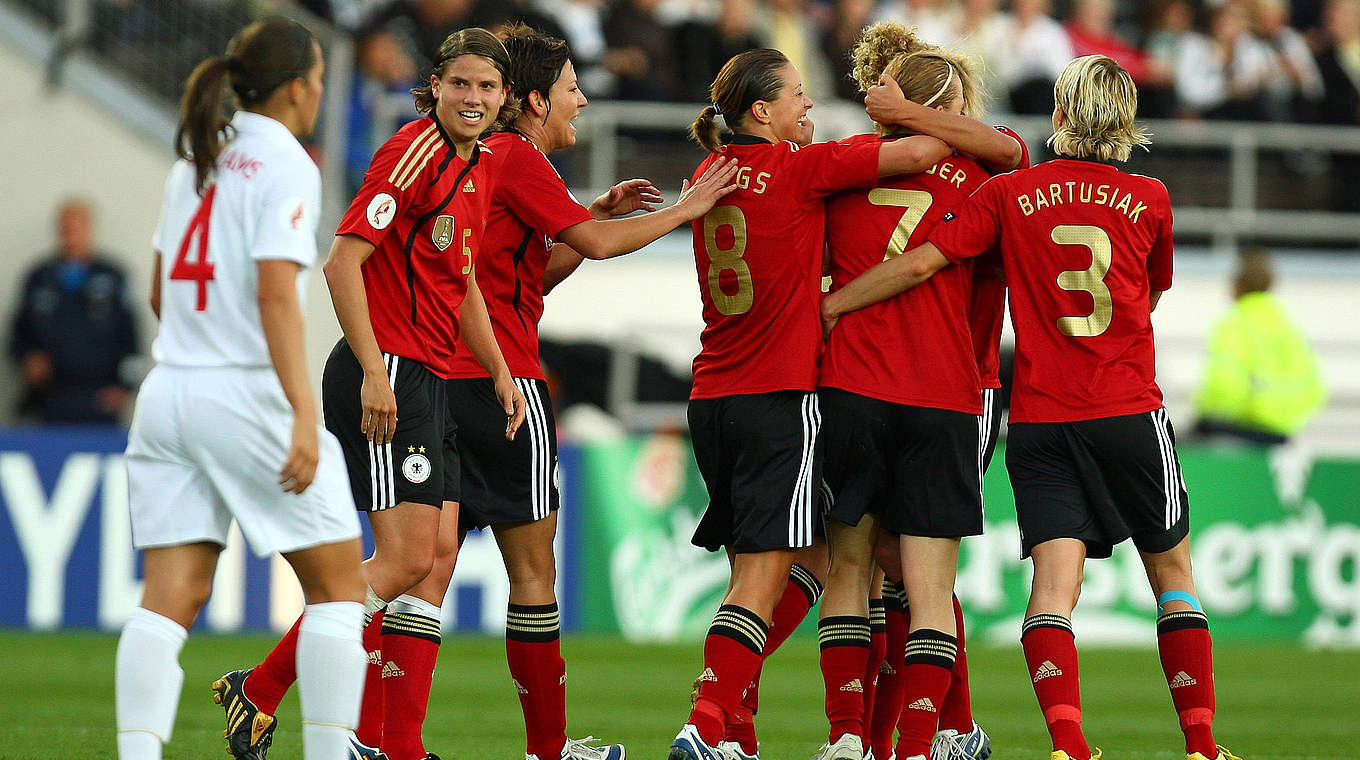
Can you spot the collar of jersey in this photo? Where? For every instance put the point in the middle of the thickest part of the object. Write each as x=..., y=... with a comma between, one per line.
x=249, y=121
x=744, y=139
x=477, y=148
x=1088, y=159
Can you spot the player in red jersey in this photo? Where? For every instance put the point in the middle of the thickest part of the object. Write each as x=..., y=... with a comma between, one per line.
x=512, y=486
x=753, y=415
x=399, y=270
x=1088, y=252
x=899, y=390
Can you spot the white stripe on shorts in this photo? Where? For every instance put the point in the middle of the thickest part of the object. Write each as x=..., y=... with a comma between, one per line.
x=383, y=486
x=800, y=507
x=540, y=450
x=1171, y=477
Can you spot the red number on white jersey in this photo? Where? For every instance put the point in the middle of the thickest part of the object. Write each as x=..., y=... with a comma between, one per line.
x=199, y=271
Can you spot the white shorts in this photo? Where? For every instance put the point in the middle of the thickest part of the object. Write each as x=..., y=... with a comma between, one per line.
x=207, y=445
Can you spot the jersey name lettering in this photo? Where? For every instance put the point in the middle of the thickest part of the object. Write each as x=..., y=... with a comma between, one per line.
x=1073, y=191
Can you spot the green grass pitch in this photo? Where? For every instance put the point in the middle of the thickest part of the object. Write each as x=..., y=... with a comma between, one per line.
x=1274, y=702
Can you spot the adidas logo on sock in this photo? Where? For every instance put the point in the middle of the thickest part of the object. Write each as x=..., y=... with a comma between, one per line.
x=708, y=675
x=1182, y=679
x=886, y=669
x=468, y=188
x=923, y=703
x=390, y=670
x=375, y=657
x=855, y=685
x=519, y=687
x=562, y=680
x=1046, y=670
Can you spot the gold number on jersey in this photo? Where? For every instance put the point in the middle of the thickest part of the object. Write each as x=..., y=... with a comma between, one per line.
x=1090, y=280
x=467, y=251
x=914, y=205
x=728, y=260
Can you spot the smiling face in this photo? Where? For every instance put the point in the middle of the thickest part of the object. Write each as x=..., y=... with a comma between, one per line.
x=470, y=92
x=565, y=101
x=788, y=112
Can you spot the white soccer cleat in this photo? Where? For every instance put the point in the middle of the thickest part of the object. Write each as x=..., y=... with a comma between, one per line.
x=848, y=747
x=730, y=750
x=949, y=744
x=689, y=745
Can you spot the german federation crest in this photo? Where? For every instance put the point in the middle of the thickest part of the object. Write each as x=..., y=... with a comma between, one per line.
x=416, y=466
x=442, y=234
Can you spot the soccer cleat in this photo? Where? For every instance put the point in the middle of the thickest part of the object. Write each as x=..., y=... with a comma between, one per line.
x=688, y=745
x=848, y=747
x=581, y=749
x=360, y=751
x=249, y=731
x=730, y=750
x=1223, y=754
x=431, y=756
x=1061, y=755
x=949, y=744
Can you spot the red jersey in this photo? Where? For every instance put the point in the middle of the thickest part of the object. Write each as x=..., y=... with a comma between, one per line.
x=989, y=294
x=527, y=212
x=759, y=258
x=914, y=348
x=1083, y=244
x=423, y=208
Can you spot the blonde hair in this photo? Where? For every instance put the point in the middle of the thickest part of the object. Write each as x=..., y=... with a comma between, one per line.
x=936, y=76
x=878, y=45
x=1099, y=103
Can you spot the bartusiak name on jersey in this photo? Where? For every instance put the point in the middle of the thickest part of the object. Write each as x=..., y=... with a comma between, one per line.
x=1073, y=191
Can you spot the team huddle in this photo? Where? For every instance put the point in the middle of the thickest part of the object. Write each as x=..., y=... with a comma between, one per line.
x=842, y=436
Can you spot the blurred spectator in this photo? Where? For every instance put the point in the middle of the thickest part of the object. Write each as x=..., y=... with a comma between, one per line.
x=1222, y=75
x=851, y=18
x=1261, y=380
x=1034, y=50
x=641, y=52
x=794, y=28
x=981, y=34
x=934, y=20
x=1171, y=22
x=1294, y=86
x=582, y=24
x=1339, y=67
x=1090, y=27
x=496, y=15
x=421, y=25
x=702, y=48
x=73, y=329
x=384, y=76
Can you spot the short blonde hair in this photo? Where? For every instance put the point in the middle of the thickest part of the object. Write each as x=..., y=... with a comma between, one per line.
x=1099, y=103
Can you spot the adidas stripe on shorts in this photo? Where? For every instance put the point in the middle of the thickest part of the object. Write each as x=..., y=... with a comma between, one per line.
x=1100, y=481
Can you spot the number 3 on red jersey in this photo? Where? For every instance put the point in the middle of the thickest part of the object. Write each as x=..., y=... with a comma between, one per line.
x=199, y=271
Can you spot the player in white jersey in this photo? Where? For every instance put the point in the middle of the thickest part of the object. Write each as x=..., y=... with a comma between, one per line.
x=226, y=427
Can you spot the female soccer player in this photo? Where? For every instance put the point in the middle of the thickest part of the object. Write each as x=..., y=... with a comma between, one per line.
x=753, y=414
x=226, y=427
x=399, y=270
x=512, y=485
x=1088, y=252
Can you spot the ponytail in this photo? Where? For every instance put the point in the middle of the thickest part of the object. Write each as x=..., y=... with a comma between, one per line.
x=705, y=130
x=203, y=118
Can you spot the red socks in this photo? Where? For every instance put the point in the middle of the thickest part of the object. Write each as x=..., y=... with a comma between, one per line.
x=533, y=649
x=929, y=660
x=878, y=636
x=732, y=656
x=271, y=679
x=888, y=697
x=410, y=646
x=957, y=711
x=370, y=730
x=1187, y=660
x=1051, y=652
x=845, y=650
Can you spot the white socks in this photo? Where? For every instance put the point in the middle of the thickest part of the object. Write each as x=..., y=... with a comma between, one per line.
x=414, y=605
x=147, y=681
x=330, y=674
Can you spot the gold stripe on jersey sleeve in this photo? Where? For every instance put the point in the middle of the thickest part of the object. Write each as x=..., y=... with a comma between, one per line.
x=418, y=164
x=417, y=147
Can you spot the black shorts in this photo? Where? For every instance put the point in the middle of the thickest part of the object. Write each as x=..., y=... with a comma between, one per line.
x=919, y=469
x=1100, y=481
x=420, y=465
x=760, y=457
x=991, y=424
x=504, y=481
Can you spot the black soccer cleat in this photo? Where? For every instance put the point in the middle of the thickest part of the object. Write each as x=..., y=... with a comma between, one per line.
x=249, y=731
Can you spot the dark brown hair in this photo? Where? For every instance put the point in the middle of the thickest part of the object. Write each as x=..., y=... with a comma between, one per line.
x=260, y=59
x=536, y=62
x=744, y=79
x=471, y=41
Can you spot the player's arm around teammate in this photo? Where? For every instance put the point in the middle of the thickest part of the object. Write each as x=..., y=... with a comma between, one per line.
x=226, y=426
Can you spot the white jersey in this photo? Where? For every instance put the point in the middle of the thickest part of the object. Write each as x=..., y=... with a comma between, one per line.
x=263, y=203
